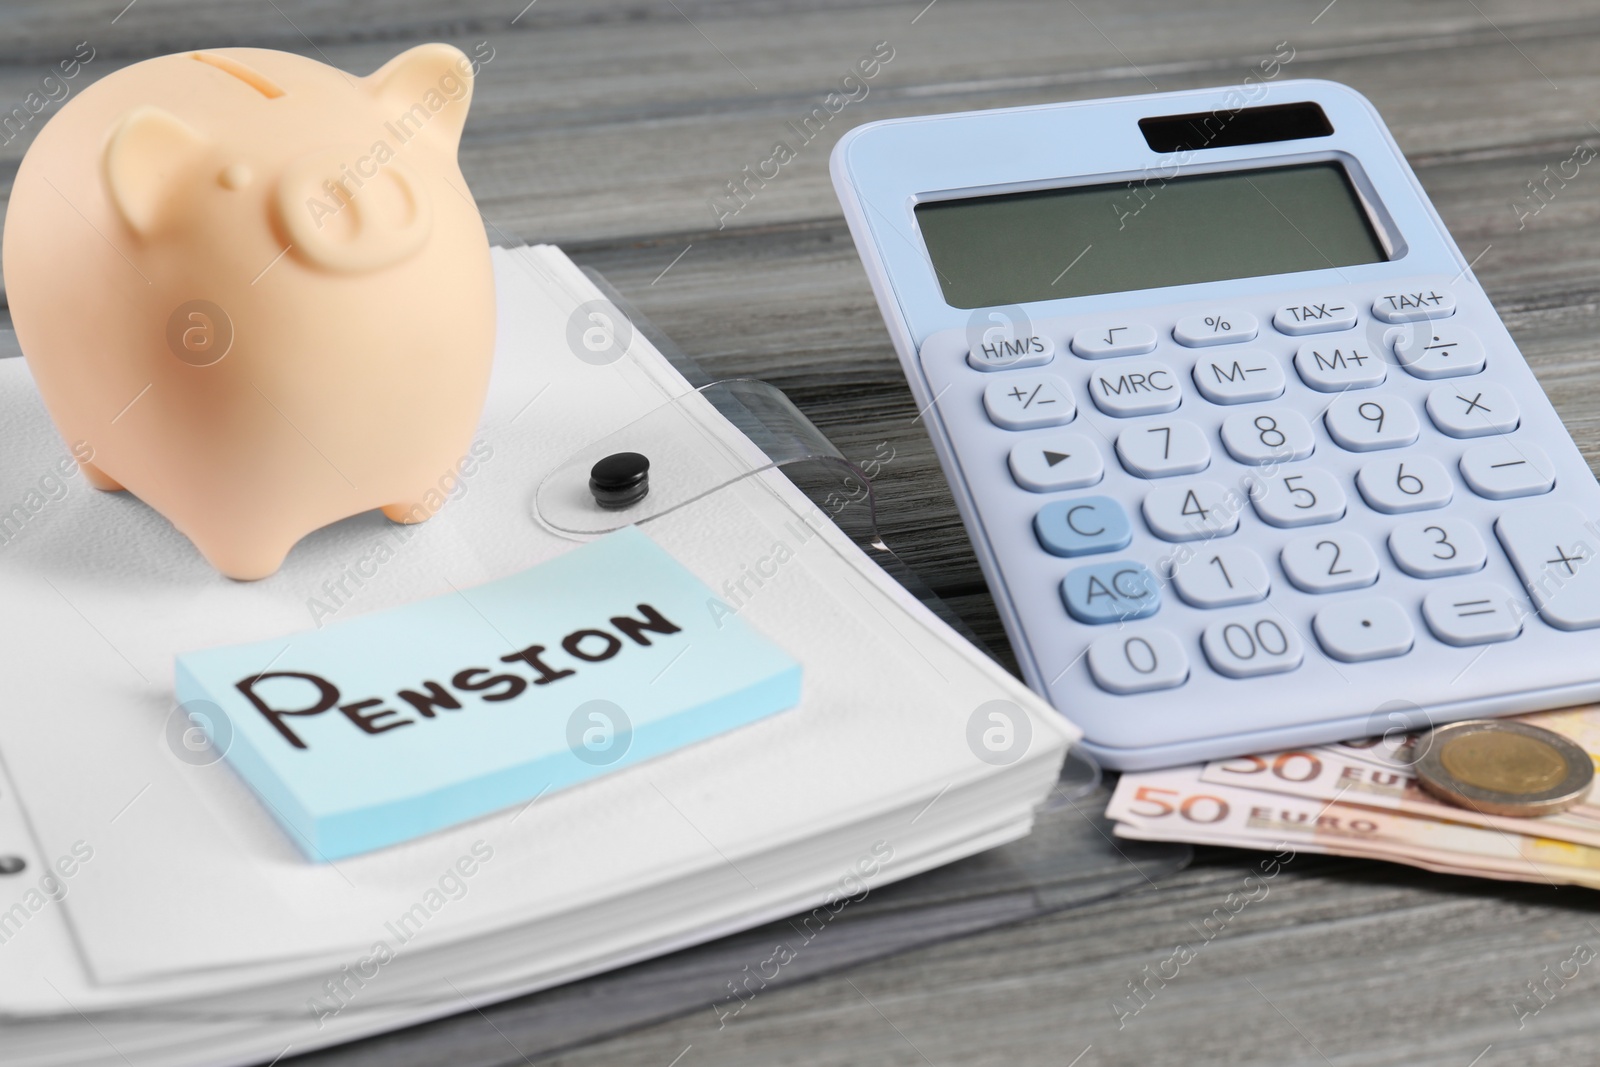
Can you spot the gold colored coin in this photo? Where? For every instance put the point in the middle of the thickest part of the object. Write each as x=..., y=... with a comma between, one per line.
x=1503, y=768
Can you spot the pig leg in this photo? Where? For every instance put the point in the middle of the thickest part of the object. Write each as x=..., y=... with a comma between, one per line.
x=406, y=514
x=98, y=478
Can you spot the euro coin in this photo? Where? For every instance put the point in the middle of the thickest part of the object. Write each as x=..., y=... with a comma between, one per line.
x=1503, y=768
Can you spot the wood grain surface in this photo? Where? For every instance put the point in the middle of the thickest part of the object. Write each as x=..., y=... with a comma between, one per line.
x=610, y=126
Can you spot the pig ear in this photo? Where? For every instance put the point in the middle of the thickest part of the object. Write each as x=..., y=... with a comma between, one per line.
x=149, y=149
x=426, y=89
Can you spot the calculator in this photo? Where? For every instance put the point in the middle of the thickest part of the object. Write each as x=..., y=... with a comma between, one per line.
x=1246, y=455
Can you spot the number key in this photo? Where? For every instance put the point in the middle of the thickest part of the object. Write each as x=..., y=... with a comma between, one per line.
x=1330, y=563
x=1366, y=424
x=1221, y=577
x=1435, y=548
x=1416, y=483
x=1138, y=662
x=1190, y=511
x=1252, y=644
x=1302, y=499
x=1175, y=447
x=1269, y=435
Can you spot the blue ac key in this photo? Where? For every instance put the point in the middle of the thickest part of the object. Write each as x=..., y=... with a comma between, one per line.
x=1083, y=526
x=1116, y=591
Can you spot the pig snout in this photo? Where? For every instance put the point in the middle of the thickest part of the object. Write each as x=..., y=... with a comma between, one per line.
x=349, y=209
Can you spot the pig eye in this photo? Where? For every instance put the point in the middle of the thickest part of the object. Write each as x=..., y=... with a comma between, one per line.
x=234, y=176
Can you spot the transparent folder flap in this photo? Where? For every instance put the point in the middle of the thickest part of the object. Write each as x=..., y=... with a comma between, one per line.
x=688, y=460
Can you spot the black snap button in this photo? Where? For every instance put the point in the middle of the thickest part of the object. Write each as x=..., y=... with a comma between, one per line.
x=621, y=479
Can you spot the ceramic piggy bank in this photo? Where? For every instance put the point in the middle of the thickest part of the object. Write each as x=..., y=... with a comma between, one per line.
x=255, y=292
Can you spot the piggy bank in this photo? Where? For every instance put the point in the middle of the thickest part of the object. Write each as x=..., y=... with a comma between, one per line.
x=255, y=292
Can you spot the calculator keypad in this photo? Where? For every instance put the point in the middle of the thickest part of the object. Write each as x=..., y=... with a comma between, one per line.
x=1115, y=339
x=1396, y=486
x=1351, y=480
x=1133, y=387
x=1119, y=591
x=1502, y=470
x=1222, y=576
x=1239, y=377
x=1369, y=422
x=1251, y=644
x=1268, y=435
x=1327, y=315
x=1481, y=409
x=1024, y=402
x=1190, y=511
x=1173, y=446
x=1307, y=497
x=1439, y=350
x=1139, y=662
x=1219, y=326
x=1437, y=546
x=1082, y=526
x=1339, y=364
x=1359, y=630
x=1330, y=562
x=1052, y=462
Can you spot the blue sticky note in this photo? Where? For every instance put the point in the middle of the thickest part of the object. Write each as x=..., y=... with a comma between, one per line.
x=392, y=725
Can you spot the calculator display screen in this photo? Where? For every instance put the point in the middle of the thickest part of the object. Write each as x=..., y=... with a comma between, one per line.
x=1145, y=234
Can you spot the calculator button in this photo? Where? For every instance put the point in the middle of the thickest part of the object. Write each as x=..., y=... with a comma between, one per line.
x=1276, y=435
x=1117, y=591
x=1219, y=327
x=1430, y=350
x=1190, y=511
x=1370, y=628
x=1048, y=463
x=1138, y=387
x=1368, y=423
x=1330, y=367
x=1507, y=468
x=1471, y=613
x=1103, y=342
x=1251, y=644
x=1247, y=377
x=1174, y=447
x=1304, y=498
x=1437, y=547
x=1011, y=353
x=1416, y=483
x=1552, y=547
x=1029, y=401
x=1222, y=577
x=1314, y=317
x=1477, y=410
x=1083, y=526
x=1330, y=562
x=1138, y=662
x=1412, y=305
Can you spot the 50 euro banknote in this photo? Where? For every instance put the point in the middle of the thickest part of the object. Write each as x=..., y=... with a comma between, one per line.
x=1179, y=805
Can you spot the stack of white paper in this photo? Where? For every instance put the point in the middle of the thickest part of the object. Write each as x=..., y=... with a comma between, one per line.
x=190, y=930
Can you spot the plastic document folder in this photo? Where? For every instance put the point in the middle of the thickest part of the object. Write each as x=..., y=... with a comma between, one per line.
x=165, y=916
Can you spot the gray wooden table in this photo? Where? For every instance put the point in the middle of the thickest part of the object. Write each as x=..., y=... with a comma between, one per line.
x=612, y=127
